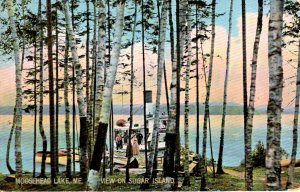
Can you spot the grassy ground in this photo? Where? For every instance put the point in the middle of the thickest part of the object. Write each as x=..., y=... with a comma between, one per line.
x=233, y=180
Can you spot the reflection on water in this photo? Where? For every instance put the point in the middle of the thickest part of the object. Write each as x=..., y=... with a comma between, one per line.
x=234, y=136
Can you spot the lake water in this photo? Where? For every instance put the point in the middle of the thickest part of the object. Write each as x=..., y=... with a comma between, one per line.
x=234, y=136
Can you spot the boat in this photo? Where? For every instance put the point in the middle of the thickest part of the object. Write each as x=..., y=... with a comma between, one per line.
x=122, y=128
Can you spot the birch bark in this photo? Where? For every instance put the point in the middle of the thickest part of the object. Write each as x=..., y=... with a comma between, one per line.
x=18, y=128
x=80, y=95
x=251, y=110
x=273, y=168
x=221, y=148
x=99, y=148
x=160, y=61
x=41, y=92
x=67, y=110
x=101, y=51
x=187, y=104
x=206, y=115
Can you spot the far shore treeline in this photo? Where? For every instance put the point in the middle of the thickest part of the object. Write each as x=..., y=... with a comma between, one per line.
x=215, y=109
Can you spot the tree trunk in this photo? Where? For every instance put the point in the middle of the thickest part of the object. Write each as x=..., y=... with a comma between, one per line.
x=245, y=95
x=18, y=129
x=10, y=169
x=295, y=127
x=221, y=148
x=111, y=124
x=107, y=98
x=177, y=114
x=244, y=42
x=35, y=106
x=197, y=87
x=87, y=69
x=111, y=152
x=41, y=93
x=67, y=110
x=160, y=61
x=129, y=150
x=80, y=96
x=273, y=168
x=73, y=104
x=251, y=110
x=56, y=89
x=204, y=164
x=101, y=51
x=91, y=109
x=51, y=94
x=144, y=85
x=186, y=181
x=170, y=132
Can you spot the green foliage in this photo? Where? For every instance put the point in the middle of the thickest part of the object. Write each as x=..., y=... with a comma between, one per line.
x=259, y=155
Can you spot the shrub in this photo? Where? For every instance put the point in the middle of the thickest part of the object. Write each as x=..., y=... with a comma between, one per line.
x=259, y=154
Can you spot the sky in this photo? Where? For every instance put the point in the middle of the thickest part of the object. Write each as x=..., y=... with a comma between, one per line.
x=7, y=86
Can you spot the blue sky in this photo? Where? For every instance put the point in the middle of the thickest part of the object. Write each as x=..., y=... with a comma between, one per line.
x=223, y=7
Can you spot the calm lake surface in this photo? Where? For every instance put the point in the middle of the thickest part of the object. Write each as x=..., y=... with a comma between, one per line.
x=234, y=136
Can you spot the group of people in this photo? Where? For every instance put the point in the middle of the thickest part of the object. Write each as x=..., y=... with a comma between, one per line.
x=136, y=140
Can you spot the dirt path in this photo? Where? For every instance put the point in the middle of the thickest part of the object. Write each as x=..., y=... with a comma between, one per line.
x=239, y=174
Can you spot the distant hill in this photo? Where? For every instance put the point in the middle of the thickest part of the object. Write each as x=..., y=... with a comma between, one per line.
x=215, y=109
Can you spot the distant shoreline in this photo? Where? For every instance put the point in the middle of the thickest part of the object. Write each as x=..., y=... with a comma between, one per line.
x=215, y=109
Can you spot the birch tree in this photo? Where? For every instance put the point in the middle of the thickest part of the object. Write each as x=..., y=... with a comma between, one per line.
x=221, y=148
x=67, y=109
x=160, y=61
x=251, y=110
x=206, y=114
x=273, y=168
x=8, y=165
x=101, y=51
x=99, y=148
x=187, y=104
x=91, y=109
x=18, y=116
x=79, y=90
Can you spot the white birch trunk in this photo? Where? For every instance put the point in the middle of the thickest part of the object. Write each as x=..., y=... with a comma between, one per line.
x=160, y=61
x=67, y=111
x=93, y=176
x=206, y=115
x=221, y=148
x=251, y=109
x=273, y=168
x=101, y=50
x=79, y=89
x=75, y=59
x=18, y=129
x=187, y=104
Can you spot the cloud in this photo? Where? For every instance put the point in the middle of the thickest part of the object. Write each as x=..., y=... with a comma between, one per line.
x=7, y=89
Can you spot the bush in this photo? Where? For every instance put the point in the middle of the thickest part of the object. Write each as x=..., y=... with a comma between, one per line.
x=259, y=155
